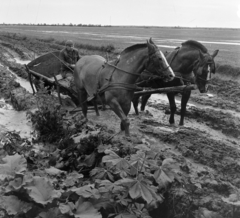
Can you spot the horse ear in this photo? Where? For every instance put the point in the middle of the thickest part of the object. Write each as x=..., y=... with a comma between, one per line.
x=150, y=46
x=151, y=41
x=215, y=53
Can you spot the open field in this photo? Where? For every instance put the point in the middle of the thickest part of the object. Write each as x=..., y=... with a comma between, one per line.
x=226, y=40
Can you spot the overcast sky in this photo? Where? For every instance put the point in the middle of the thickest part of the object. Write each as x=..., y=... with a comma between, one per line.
x=192, y=13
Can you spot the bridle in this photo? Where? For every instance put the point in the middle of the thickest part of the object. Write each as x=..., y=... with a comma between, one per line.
x=209, y=73
x=135, y=74
x=149, y=62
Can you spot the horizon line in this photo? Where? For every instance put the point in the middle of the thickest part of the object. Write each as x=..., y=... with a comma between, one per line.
x=100, y=25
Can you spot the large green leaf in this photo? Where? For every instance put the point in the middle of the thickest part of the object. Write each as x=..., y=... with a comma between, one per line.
x=15, y=184
x=15, y=164
x=52, y=213
x=101, y=173
x=125, y=215
x=105, y=186
x=72, y=178
x=67, y=208
x=115, y=160
x=18, y=182
x=54, y=171
x=85, y=209
x=166, y=173
x=13, y=205
x=41, y=190
x=81, y=209
x=140, y=188
x=205, y=213
x=87, y=191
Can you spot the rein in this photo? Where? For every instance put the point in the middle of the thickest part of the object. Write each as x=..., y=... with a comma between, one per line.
x=135, y=74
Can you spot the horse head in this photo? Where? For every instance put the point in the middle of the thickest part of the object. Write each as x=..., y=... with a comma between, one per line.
x=157, y=63
x=203, y=69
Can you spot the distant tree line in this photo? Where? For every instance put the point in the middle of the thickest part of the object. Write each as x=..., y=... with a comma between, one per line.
x=44, y=24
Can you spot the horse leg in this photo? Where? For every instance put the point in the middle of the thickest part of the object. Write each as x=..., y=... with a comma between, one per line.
x=171, y=99
x=103, y=101
x=144, y=101
x=82, y=94
x=115, y=106
x=94, y=101
x=135, y=101
x=184, y=101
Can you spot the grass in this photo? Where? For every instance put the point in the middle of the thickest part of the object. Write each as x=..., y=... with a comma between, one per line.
x=122, y=37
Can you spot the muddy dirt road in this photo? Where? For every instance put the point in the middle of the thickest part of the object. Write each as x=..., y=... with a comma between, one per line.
x=207, y=147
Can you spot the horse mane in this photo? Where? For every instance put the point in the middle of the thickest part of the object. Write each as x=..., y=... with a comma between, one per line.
x=133, y=47
x=195, y=44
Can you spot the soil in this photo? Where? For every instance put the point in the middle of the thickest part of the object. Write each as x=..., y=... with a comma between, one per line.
x=207, y=147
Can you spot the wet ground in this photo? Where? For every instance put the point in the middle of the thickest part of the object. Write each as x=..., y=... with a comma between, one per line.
x=208, y=146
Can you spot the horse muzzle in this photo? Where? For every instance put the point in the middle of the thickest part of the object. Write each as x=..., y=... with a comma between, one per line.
x=168, y=78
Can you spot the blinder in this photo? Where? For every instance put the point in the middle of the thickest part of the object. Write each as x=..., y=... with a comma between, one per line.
x=207, y=64
x=151, y=59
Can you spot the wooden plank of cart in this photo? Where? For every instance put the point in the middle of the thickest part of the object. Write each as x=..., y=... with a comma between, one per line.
x=47, y=68
x=166, y=90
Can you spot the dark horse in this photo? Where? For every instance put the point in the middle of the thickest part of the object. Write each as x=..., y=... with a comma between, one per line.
x=192, y=64
x=114, y=82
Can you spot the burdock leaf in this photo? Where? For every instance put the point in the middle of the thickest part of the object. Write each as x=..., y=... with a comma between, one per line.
x=85, y=209
x=15, y=164
x=53, y=171
x=126, y=215
x=205, y=213
x=42, y=191
x=87, y=191
x=81, y=209
x=67, y=208
x=72, y=178
x=13, y=205
x=52, y=213
x=15, y=184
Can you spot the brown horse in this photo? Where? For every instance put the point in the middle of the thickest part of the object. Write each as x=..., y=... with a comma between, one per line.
x=194, y=64
x=115, y=82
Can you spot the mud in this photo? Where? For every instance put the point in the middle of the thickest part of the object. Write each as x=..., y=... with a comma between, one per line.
x=207, y=147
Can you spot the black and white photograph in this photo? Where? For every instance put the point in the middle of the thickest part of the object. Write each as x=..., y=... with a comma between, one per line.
x=119, y=109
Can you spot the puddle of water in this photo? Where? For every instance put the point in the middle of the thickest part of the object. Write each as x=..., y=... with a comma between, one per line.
x=15, y=120
x=23, y=82
x=4, y=105
x=19, y=61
